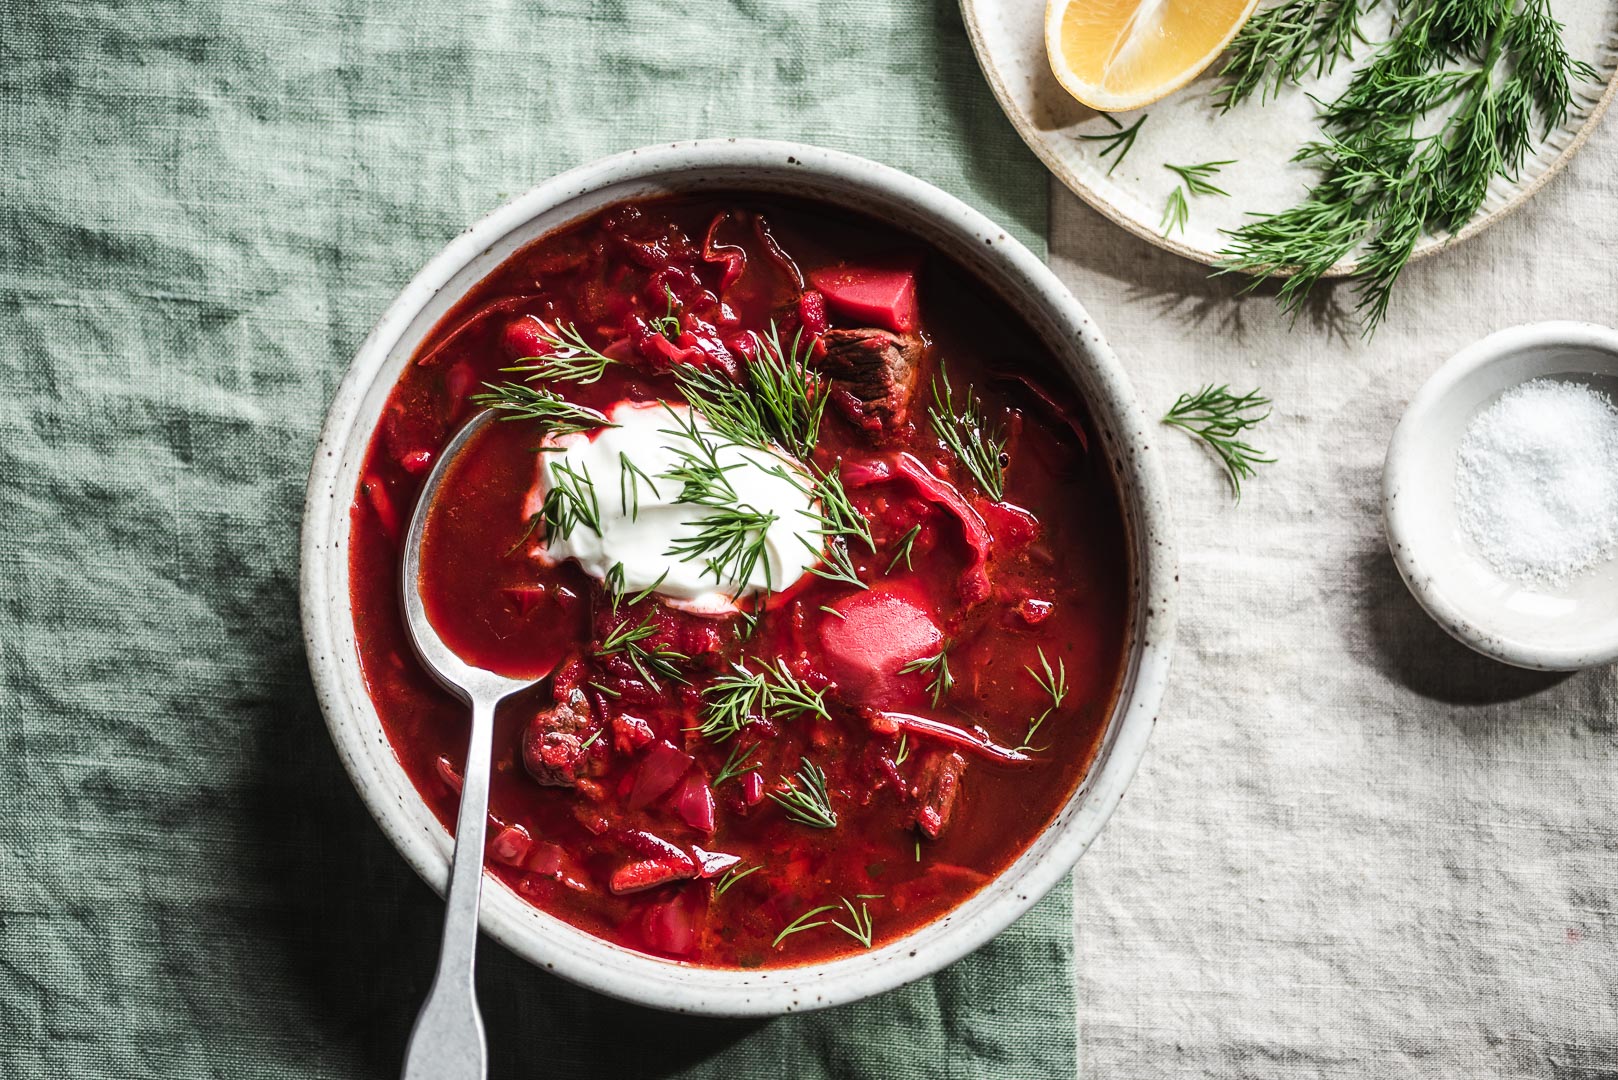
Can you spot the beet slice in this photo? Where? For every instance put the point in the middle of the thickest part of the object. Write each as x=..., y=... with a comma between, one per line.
x=695, y=802
x=882, y=296
x=879, y=632
x=659, y=770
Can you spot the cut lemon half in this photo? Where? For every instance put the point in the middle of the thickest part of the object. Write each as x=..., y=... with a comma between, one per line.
x=1116, y=55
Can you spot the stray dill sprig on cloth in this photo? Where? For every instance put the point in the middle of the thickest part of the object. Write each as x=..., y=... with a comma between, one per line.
x=1388, y=174
x=1217, y=417
x=1119, y=141
x=1194, y=181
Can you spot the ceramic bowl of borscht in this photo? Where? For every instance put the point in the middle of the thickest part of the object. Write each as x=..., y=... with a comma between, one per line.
x=832, y=523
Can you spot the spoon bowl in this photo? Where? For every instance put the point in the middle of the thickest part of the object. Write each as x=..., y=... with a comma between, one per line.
x=447, y=1041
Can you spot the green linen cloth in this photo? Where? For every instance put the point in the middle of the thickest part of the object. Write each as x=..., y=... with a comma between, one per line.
x=205, y=207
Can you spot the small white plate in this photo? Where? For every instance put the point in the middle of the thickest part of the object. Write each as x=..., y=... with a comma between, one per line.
x=1185, y=129
x=1552, y=629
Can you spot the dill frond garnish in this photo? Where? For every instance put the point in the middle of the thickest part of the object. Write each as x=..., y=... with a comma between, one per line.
x=733, y=768
x=903, y=753
x=570, y=501
x=902, y=549
x=613, y=581
x=532, y=526
x=781, y=404
x=1218, y=417
x=732, y=701
x=964, y=430
x=630, y=478
x=1119, y=141
x=570, y=359
x=668, y=324
x=839, y=563
x=554, y=413
x=1388, y=174
x=731, y=877
x=730, y=542
x=626, y=640
x=861, y=931
x=1054, y=682
x=937, y=666
x=805, y=798
x=802, y=923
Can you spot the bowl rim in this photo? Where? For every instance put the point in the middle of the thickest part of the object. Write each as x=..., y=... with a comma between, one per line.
x=1024, y=280
x=1400, y=472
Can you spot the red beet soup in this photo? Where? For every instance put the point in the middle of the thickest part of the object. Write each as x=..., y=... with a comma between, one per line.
x=819, y=552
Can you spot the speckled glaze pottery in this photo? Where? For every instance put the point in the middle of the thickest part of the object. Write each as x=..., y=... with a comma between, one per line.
x=856, y=184
x=1549, y=628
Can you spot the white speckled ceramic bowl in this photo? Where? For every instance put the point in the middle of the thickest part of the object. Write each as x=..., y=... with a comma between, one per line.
x=1552, y=629
x=849, y=182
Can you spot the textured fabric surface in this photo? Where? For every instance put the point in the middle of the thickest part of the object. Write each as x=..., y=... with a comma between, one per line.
x=1355, y=849
x=205, y=206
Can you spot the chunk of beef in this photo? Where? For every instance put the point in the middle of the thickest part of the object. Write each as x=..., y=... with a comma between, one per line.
x=936, y=788
x=553, y=742
x=873, y=374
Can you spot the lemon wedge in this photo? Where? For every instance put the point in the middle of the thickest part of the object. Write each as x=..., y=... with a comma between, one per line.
x=1116, y=55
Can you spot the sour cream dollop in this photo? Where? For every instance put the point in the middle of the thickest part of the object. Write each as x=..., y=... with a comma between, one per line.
x=642, y=523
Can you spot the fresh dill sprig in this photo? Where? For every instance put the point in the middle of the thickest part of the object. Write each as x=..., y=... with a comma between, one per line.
x=1196, y=176
x=802, y=923
x=787, y=391
x=613, y=581
x=1175, y=212
x=1054, y=682
x=731, y=877
x=1283, y=44
x=861, y=931
x=554, y=413
x=1389, y=174
x=780, y=405
x=733, y=701
x=936, y=666
x=668, y=324
x=1218, y=417
x=630, y=478
x=805, y=798
x=903, y=753
x=730, y=542
x=626, y=640
x=964, y=430
x=1119, y=141
x=1194, y=181
x=838, y=514
x=839, y=564
x=733, y=768
x=570, y=359
x=902, y=549
x=532, y=526
x=570, y=501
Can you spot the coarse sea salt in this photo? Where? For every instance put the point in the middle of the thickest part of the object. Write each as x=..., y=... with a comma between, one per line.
x=1536, y=482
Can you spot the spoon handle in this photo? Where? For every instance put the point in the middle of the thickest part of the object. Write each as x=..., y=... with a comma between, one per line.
x=447, y=1042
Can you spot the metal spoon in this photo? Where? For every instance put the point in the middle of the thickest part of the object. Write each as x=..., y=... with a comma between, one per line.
x=447, y=1041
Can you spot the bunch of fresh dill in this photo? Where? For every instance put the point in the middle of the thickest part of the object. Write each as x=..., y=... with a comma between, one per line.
x=1455, y=97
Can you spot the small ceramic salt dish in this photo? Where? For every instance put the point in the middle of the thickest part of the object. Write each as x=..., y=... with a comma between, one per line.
x=1461, y=557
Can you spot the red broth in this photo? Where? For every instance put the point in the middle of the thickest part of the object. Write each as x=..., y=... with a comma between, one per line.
x=636, y=815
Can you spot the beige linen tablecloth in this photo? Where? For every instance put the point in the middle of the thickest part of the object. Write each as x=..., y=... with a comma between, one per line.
x=1355, y=848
